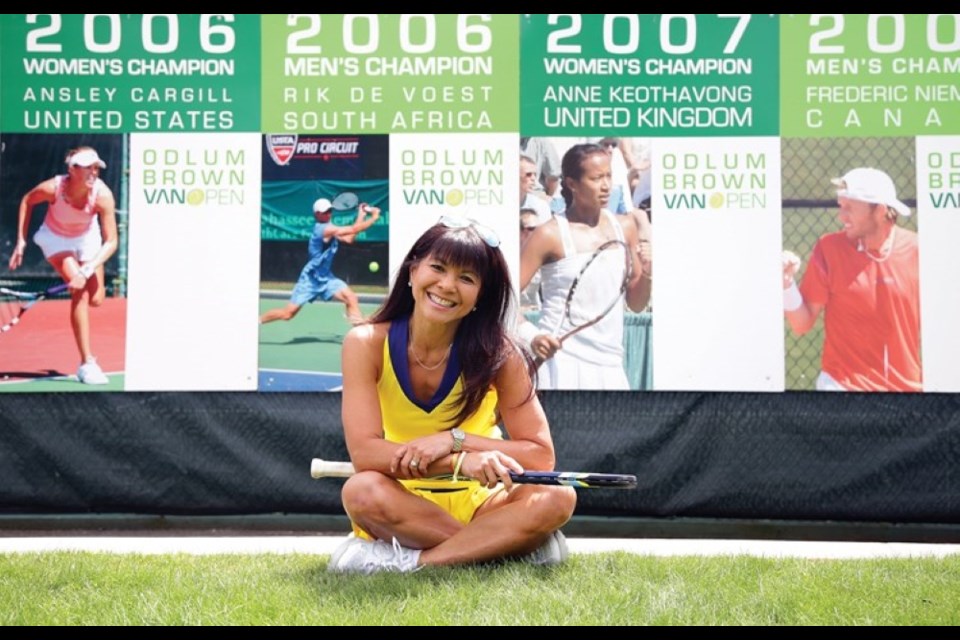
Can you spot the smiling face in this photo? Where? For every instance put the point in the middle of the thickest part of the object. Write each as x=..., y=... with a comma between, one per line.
x=591, y=191
x=443, y=292
x=861, y=220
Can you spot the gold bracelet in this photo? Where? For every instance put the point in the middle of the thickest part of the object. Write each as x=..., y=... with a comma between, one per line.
x=456, y=469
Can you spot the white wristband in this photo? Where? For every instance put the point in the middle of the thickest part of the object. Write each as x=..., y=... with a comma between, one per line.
x=87, y=271
x=792, y=299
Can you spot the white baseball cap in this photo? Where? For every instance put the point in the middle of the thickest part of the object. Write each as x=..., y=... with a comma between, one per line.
x=322, y=205
x=870, y=185
x=86, y=158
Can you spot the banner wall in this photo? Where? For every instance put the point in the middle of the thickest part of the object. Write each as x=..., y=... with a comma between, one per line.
x=765, y=150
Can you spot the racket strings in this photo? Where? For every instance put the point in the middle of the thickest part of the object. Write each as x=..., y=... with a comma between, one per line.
x=13, y=303
x=599, y=286
x=346, y=200
x=10, y=309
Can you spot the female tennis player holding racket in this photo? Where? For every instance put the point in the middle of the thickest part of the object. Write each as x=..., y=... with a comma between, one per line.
x=78, y=235
x=559, y=249
x=423, y=384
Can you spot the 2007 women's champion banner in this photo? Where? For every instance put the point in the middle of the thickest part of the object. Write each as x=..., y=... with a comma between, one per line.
x=181, y=172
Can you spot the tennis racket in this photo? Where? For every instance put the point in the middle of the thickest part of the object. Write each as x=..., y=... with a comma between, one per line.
x=13, y=304
x=346, y=201
x=597, y=289
x=327, y=469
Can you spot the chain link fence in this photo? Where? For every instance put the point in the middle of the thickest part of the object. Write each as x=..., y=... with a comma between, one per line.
x=810, y=210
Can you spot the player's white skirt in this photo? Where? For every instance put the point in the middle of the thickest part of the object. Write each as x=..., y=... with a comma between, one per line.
x=564, y=371
x=84, y=247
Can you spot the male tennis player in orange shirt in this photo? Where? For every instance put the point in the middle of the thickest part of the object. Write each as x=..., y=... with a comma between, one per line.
x=865, y=278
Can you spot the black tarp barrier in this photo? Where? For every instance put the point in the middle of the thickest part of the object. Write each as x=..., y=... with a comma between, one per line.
x=789, y=456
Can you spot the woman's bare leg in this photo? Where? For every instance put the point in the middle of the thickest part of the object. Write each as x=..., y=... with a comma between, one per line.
x=507, y=524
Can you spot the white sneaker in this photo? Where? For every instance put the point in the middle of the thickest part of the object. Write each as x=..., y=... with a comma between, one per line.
x=91, y=373
x=351, y=541
x=364, y=557
x=552, y=552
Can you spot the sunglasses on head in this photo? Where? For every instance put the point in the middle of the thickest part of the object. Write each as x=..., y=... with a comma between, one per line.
x=486, y=234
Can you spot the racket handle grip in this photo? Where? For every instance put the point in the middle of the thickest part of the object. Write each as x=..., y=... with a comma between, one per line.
x=327, y=469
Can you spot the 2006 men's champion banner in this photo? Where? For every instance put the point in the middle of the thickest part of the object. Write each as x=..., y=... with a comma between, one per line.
x=802, y=173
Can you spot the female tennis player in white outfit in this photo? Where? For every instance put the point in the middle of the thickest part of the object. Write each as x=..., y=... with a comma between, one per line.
x=592, y=358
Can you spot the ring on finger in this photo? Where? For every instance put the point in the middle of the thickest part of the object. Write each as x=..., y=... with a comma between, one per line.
x=414, y=463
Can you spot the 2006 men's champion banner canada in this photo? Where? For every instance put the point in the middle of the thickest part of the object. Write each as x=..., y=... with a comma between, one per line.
x=181, y=172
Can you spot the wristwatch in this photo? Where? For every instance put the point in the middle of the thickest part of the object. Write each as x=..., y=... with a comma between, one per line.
x=458, y=437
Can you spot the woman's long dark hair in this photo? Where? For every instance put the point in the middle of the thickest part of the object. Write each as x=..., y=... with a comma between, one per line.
x=572, y=166
x=485, y=345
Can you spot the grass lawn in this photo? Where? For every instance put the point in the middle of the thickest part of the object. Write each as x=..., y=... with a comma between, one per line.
x=81, y=588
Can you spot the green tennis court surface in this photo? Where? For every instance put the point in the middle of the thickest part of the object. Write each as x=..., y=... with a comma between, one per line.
x=304, y=353
x=63, y=383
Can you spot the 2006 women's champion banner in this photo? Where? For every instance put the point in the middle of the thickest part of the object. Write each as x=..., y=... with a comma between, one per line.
x=182, y=172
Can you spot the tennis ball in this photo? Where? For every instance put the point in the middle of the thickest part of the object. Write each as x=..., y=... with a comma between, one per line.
x=195, y=197
x=454, y=197
x=716, y=200
x=374, y=266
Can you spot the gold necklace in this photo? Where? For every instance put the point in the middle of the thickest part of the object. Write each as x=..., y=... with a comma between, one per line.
x=431, y=367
